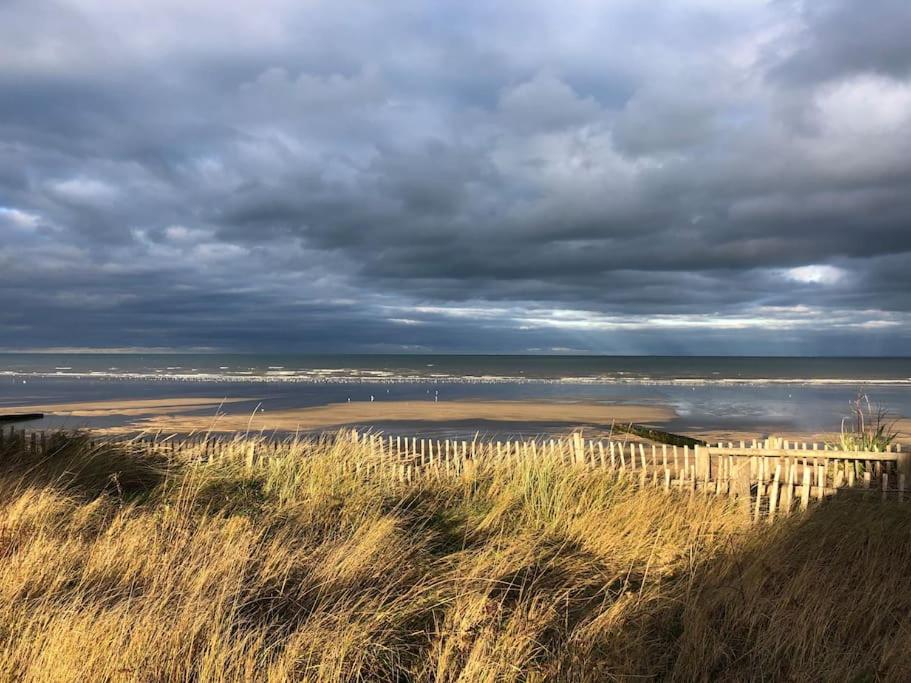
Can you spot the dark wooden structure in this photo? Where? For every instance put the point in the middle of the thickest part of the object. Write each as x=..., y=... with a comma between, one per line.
x=19, y=417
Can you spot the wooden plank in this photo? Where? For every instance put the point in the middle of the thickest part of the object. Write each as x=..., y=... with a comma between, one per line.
x=903, y=464
x=788, y=498
x=821, y=481
x=703, y=462
x=658, y=435
x=782, y=453
x=773, y=494
x=741, y=487
x=758, y=506
x=805, y=490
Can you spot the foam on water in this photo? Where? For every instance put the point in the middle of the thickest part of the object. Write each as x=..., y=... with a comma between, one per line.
x=361, y=376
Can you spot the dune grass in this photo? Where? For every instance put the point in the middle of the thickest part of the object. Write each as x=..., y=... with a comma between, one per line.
x=869, y=428
x=115, y=565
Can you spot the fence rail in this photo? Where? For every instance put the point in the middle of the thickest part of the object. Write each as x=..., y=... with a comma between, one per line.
x=767, y=478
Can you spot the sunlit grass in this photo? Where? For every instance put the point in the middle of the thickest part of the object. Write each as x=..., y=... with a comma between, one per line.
x=869, y=427
x=120, y=566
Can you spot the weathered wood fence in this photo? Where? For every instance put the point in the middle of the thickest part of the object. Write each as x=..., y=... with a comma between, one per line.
x=768, y=478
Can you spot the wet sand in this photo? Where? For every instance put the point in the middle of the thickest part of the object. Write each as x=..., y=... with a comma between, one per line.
x=599, y=416
x=161, y=406
x=185, y=415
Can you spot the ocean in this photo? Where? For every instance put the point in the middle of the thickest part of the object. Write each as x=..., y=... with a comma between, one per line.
x=707, y=393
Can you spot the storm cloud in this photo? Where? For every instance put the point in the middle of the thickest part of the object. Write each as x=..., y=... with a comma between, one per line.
x=617, y=177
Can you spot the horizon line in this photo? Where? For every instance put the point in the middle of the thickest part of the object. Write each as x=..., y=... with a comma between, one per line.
x=202, y=352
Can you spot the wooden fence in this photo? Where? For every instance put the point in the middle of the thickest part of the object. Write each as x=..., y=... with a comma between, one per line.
x=768, y=478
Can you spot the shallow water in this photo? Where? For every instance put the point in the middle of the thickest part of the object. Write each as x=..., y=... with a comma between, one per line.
x=707, y=393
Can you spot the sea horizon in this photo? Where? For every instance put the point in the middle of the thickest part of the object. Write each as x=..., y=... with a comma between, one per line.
x=437, y=367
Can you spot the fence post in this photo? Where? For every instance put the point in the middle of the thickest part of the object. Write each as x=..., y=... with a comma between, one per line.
x=742, y=483
x=903, y=464
x=758, y=507
x=773, y=494
x=703, y=463
x=788, y=499
x=805, y=492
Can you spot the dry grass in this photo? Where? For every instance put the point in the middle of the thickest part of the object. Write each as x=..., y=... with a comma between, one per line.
x=115, y=566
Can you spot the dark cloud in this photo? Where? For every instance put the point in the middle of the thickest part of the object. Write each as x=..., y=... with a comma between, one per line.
x=696, y=177
x=844, y=37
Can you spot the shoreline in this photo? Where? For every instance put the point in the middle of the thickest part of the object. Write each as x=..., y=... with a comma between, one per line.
x=526, y=417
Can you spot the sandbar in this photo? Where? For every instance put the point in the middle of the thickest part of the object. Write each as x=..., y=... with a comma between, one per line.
x=128, y=407
x=365, y=413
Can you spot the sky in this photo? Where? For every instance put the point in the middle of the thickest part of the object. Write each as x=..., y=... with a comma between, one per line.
x=619, y=177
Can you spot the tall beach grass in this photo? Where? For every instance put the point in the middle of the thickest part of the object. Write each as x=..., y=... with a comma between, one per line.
x=116, y=565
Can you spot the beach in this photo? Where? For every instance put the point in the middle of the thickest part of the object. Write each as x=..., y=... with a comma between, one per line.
x=176, y=415
x=171, y=415
x=715, y=399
